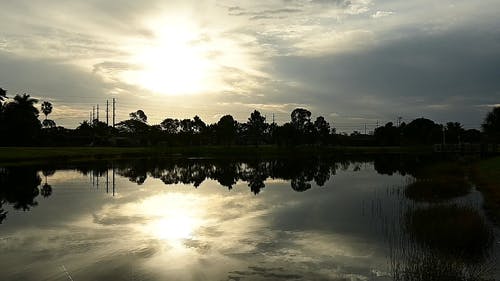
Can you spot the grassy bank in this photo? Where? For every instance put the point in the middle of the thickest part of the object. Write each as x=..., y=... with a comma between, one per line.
x=39, y=154
x=487, y=176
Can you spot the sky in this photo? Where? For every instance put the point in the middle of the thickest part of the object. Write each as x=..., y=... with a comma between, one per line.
x=355, y=62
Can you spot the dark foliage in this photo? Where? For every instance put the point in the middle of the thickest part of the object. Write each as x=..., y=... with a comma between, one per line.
x=19, y=125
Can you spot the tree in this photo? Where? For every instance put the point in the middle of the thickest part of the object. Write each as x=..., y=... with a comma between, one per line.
x=388, y=134
x=226, y=129
x=139, y=115
x=491, y=124
x=170, y=126
x=454, y=132
x=322, y=128
x=47, y=123
x=186, y=126
x=301, y=118
x=3, y=96
x=20, y=118
x=46, y=108
x=198, y=124
x=256, y=126
x=422, y=131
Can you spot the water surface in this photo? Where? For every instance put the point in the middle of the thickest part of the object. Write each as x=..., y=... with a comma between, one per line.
x=209, y=219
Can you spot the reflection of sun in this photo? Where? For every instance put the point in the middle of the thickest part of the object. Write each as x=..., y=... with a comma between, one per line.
x=175, y=62
x=173, y=216
x=175, y=227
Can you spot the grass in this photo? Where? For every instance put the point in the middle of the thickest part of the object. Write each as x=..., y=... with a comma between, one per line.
x=487, y=177
x=29, y=155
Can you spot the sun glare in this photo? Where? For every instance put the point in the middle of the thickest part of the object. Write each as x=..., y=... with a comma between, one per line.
x=174, y=216
x=175, y=62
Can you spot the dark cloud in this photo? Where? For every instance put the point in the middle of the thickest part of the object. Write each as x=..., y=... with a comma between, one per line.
x=435, y=75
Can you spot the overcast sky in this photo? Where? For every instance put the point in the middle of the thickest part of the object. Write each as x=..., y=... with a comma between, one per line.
x=352, y=61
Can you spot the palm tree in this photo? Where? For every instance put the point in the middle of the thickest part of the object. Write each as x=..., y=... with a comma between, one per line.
x=26, y=102
x=46, y=108
x=20, y=119
x=3, y=94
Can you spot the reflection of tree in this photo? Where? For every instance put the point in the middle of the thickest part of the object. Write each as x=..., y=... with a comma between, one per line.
x=19, y=187
x=300, y=172
x=46, y=190
x=226, y=174
x=438, y=182
x=3, y=213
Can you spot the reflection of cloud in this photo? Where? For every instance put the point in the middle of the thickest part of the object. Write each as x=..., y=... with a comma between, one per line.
x=231, y=234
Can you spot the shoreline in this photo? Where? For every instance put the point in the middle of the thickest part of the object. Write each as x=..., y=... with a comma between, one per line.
x=33, y=155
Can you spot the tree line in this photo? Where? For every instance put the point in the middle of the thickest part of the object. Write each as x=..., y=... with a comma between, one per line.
x=20, y=125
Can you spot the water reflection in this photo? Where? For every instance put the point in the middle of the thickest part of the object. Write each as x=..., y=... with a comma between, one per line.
x=312, y=219
x=444, y=242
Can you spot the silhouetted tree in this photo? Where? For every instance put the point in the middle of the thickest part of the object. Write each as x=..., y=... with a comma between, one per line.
x=3, y=96
x=46, y=108
x=47, y=123
x=139, y=115
x=322, y=129
x=454, y=132
x=132, y=126
x=388, y=134
x=422, y=131
x=491, y=124
x=471, y=136
x=301, y=119
x=170, y=126
x=198, y=125
x=226, y=129
x=186, y=126
x=256, y=126
x=20, y=117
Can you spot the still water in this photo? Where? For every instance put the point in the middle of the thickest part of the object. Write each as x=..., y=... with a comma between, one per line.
x=209, y=219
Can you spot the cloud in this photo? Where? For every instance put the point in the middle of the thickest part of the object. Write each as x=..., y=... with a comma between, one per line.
x=381, y=14
x=360, y=59
x=403, y=77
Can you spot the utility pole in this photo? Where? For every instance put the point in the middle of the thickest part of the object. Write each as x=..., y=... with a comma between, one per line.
x=107, y=179
x=90, y=117
x=107, y=113
x=113, y=166
x=114, y=114
x=93, y=113
x=97, y=112
x=273, y=118
x=365, y=128
x=444, y=136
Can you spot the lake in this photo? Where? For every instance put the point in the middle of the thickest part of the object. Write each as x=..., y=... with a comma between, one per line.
x=363, y=218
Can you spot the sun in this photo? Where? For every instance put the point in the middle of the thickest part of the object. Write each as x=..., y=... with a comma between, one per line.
x=174, y=62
